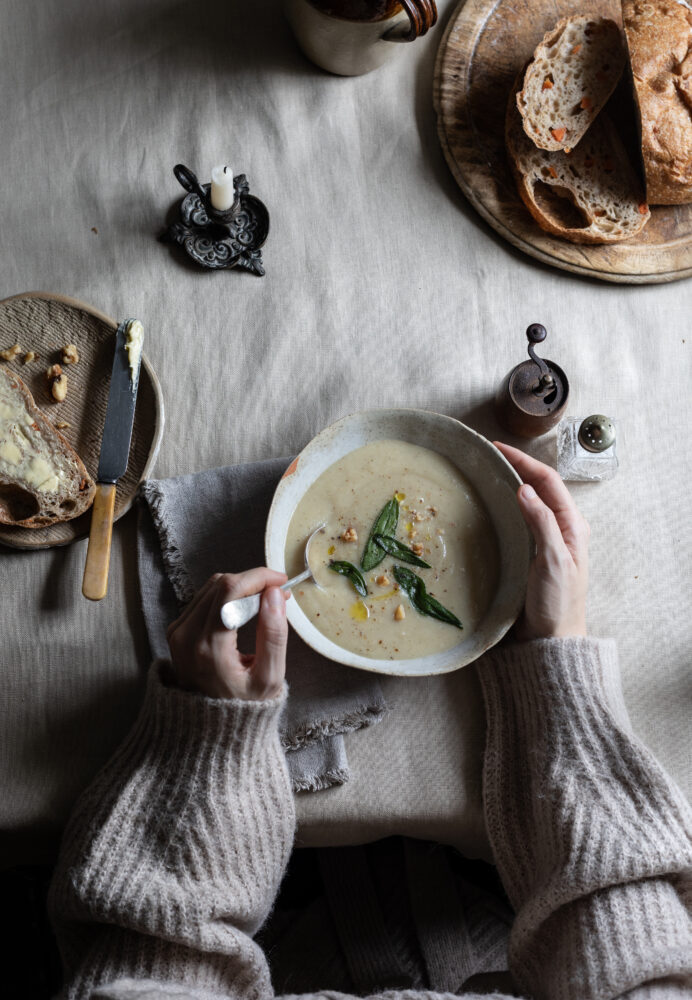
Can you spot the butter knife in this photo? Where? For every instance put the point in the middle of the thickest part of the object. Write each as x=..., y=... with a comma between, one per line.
x=115, y=449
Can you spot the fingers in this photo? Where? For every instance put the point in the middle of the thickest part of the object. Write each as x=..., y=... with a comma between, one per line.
x=270, y=644
x=189, y=608
x=230, y=586
x=189, y=628
x=553, y=492
x=544, y=480
x=204, y=653
x=541, y=523
x=252, y=581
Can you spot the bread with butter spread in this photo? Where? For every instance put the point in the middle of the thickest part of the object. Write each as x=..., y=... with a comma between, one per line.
x=42, y=478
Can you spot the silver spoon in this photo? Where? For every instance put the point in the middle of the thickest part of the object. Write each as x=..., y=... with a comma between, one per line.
x=237, y=613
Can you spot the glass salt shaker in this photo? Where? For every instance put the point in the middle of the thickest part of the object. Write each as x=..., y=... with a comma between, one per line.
x=586, y=448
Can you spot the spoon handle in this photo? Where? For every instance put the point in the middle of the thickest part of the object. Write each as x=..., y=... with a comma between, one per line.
x=234, y=614
x=305, y=575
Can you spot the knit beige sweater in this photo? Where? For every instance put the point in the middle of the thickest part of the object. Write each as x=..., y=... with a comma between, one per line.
x=174, y=855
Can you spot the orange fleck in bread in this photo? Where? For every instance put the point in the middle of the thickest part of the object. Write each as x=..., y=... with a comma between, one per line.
x=573, y=72
x=42, y=479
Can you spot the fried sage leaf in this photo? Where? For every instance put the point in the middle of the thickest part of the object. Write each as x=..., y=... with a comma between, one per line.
x=419, y=597
x=350, y=571
x=385, y=524
x=395, y=548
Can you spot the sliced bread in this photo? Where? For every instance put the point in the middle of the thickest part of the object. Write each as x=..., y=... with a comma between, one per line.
x=42, y=479
x=590, y=195
x=659, y=38
x=573, y=72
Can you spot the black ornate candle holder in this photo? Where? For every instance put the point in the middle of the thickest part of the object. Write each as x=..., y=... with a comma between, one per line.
x=214, y=239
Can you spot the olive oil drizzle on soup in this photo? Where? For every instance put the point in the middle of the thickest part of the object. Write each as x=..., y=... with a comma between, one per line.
x=440, y=517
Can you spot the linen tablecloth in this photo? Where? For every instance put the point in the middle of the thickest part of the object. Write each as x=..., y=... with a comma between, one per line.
x=373, y=256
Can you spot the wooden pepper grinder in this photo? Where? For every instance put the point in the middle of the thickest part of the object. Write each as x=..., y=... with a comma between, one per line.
x=533, y=396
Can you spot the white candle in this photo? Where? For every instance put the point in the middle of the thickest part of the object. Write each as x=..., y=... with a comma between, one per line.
x=222, y=192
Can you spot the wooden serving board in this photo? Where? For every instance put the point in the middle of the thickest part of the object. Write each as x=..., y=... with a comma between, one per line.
x=485, y=45
x=45, y=323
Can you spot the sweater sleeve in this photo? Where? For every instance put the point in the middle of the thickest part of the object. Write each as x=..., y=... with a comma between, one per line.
x=173, y=856
x=592, y=839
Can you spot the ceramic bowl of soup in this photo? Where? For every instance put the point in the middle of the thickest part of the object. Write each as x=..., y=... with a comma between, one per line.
x=424, y=510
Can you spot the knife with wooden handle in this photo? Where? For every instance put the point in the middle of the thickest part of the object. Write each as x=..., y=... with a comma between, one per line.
x=115, y=449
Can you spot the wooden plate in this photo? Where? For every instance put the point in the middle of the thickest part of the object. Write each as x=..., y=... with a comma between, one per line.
x=45, y=323
x=484, y=47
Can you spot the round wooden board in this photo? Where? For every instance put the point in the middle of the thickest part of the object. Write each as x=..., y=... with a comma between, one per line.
x=485, y=45
x=44, y=323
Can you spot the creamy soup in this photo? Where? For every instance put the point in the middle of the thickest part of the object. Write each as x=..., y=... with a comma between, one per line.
x=441, y=519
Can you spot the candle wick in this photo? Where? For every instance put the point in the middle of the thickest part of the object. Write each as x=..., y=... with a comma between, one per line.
x=225, y=170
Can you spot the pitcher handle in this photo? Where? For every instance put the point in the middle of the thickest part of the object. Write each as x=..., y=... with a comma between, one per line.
x=422, y=15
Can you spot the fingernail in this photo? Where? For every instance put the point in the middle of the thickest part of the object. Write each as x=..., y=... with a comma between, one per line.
x=275, y=599
x=528, y=492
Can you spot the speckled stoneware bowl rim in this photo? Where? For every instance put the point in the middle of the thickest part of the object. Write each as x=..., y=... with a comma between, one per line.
x=496, y=482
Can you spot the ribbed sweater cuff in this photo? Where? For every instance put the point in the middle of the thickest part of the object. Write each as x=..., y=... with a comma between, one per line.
x=551, y=675
x=187, y=723
x=554, y=721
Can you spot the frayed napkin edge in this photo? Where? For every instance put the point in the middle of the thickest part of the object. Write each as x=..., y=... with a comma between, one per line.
x=309, y=733
x=172, y=557
x=320, y=782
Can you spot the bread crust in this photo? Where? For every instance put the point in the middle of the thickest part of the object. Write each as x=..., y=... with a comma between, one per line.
x=77, y=494
x=530, y=166
x=659, y=39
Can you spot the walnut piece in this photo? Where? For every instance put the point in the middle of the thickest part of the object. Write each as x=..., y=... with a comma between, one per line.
x=417, y=548
x=400, y=613
x=57, y=383
x=58, y=388
x=29, y=357
x=10, y=353
x=70, y=354
x=350, y=535
x=382, y=580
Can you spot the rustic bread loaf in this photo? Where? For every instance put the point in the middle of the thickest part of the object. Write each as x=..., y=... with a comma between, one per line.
x=590, y=195
x=573, y=72
x=659, y=38
x=42, y=479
